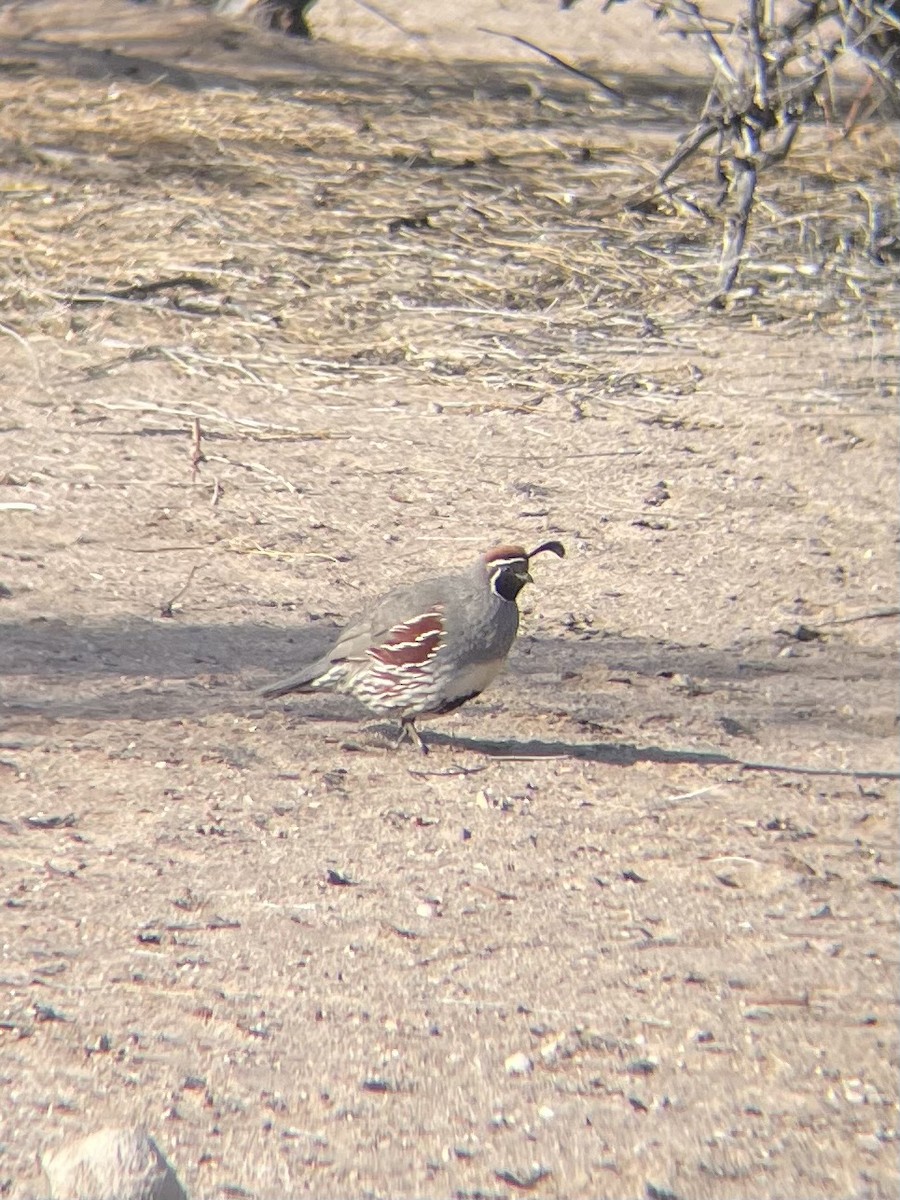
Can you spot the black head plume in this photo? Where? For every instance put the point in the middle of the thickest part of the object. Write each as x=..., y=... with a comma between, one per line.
x=556, y=548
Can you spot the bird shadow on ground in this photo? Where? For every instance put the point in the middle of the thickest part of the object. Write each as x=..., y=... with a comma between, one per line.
x=57, y=664
x=162, y=670
x=382, y=737
x=611, y=754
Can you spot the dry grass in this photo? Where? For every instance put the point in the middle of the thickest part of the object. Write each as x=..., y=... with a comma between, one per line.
x=273, y=239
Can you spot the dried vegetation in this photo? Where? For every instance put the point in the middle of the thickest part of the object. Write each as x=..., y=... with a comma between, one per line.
x=443, y=218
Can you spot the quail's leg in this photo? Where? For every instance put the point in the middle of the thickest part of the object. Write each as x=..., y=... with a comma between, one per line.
x=408, y=730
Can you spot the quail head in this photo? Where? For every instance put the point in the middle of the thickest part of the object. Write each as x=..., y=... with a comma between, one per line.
x=424, y=650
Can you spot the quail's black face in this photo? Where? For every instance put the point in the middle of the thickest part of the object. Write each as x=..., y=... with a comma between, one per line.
x=508, y=578
x=507, y=567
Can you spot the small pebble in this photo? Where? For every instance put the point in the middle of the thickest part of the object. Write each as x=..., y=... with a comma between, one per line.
x=519, y=1064
x=857, y=1092
x=869, y=1143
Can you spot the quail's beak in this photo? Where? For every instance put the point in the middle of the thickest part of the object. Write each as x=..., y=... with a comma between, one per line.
x=525, y=576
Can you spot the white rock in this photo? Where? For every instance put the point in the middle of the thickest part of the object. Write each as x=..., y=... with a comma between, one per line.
x=112, y=1164
x=518, y=1064
x=857, y=1092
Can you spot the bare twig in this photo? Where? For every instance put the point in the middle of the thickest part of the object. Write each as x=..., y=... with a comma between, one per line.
x=256, y=467
x=608, y=90
x=702, y=25
x=197, y=455
x=842, y=772
x=157, y=549
x=699, y=135
x=742, y=187
x=760, y=71
x=383, y=16
x=165, y=608
x=694, y=141
x=876, y=614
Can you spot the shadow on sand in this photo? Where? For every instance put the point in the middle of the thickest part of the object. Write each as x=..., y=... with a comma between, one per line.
x=611, y=754
x=164, y=670
x=203, y=55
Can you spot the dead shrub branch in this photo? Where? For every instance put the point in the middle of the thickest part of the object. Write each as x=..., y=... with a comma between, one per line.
x=770, y=69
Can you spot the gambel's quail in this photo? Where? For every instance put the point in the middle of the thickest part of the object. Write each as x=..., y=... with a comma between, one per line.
x=424, y=650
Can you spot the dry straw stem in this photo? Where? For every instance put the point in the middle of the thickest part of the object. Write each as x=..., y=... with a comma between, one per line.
x=8, y=331
x=248, y=426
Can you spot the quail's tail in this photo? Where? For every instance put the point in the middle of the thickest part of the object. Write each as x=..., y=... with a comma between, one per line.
x=301, y=682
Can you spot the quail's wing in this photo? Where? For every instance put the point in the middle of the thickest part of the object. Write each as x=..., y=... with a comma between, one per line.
x=407, y=625
x=402, y=631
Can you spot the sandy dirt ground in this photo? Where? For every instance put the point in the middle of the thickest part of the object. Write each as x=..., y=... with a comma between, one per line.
x=630, y=929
